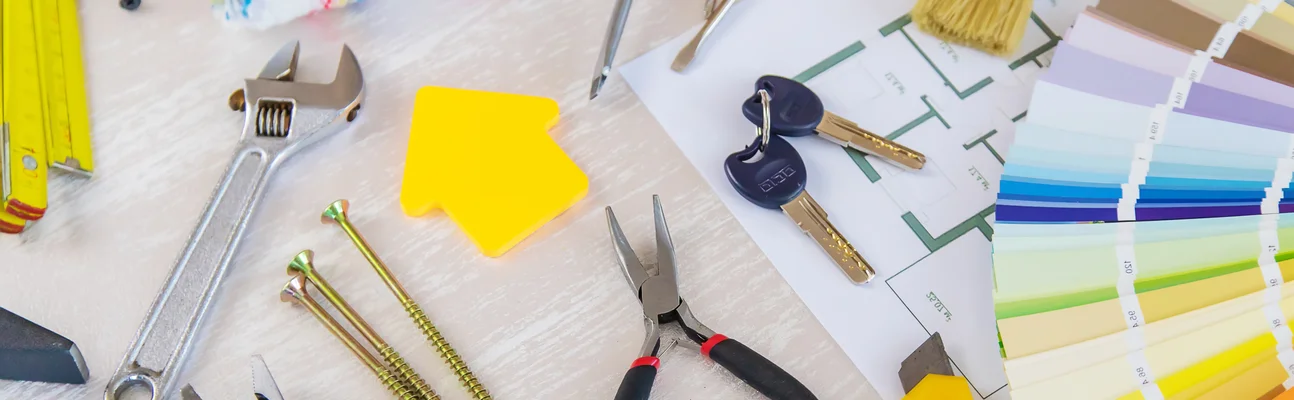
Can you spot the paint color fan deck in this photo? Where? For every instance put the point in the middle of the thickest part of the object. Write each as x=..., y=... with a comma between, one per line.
x=1141, y=248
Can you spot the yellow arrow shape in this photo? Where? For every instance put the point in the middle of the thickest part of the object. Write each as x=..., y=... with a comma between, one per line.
x=487, y=160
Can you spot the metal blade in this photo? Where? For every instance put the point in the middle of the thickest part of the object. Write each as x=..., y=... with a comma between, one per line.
x=629, y=263
x=263, y=382
x=283, y=66
x=666, y=271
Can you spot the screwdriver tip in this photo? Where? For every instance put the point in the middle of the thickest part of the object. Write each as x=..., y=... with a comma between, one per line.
x=598, y=80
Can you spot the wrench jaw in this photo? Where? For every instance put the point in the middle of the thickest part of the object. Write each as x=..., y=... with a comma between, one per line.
x=283, y=116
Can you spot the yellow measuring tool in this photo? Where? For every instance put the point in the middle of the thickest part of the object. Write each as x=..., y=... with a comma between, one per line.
x=43, y=105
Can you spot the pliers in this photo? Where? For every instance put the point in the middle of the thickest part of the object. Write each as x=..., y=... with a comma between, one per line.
x=661, y=303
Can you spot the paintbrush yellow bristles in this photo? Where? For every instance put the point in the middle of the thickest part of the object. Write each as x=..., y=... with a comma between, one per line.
x=994, y=26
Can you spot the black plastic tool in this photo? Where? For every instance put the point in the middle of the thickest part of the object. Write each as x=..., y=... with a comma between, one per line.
x=29, y=352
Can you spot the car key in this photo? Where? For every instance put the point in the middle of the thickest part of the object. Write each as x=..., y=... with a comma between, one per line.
x=798, y=111
x=778, y=180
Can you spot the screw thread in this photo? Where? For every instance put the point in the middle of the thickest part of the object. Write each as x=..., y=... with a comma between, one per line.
x=399, y=389
x=405, y=373
x=447, y=352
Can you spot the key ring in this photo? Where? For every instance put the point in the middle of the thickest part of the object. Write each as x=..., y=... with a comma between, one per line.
x=766, y=130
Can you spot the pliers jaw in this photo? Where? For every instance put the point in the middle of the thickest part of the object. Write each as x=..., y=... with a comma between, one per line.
x=657, y=290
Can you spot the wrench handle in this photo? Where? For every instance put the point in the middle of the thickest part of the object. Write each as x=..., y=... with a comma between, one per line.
x=164, y=340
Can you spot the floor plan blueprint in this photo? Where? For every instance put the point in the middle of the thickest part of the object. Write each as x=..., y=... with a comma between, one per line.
x=927, y=232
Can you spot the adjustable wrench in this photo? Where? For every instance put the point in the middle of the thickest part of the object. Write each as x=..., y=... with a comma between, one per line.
x=282, y=117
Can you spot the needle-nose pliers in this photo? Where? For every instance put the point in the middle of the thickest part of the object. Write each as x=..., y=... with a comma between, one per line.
x=661, y=304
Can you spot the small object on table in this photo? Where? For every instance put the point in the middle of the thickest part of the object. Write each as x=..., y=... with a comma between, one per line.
x=615, y=29
x=770, y=173
x=929, y=358
x=263, y=384
x=797, y=111
x=993, y=26
x=662, y=304
x=928, y=375
x=29, y=352
x=486, y=159
x=336, y=213
x=714, y=14
x=262, y=14
x=130, y=4
x=295, y=292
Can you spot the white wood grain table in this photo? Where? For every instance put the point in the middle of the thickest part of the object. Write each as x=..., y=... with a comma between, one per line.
x=553, y=319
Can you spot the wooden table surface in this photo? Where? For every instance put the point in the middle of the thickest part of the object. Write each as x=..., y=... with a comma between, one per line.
x=552, y=319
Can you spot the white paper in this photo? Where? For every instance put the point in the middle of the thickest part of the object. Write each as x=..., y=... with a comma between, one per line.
x=926, y=232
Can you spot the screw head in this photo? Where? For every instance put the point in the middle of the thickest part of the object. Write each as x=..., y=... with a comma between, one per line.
x=336, y=212
x=295, y=290
x=238, y=101
x=354, y=113
x=302, y=264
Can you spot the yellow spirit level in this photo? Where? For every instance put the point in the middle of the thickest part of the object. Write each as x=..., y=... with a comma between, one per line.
x=43, y=105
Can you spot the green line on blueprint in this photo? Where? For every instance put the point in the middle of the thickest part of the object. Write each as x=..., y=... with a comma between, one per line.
x=830, y=62
x=984, y=141
x=946, y=82
x=924, y=99
x=896, y=25
x=978, y=221
x=1032, y=56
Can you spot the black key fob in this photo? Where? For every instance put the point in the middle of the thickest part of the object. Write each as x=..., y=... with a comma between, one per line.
x=772, y=180
x=795, y=110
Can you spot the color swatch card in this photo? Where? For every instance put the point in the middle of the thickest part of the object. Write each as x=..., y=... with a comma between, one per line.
x=1143, y=246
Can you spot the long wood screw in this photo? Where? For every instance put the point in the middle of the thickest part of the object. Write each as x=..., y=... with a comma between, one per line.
x=303, y=264
x=295, y=292
x=336, y=213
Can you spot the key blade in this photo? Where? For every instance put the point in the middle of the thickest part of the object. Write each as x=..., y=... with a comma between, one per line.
x=812, y=219
x=846, y=133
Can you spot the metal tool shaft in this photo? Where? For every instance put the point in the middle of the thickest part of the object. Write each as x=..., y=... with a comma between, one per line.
x=615, y=29
x=166, y=337
x=336, y=213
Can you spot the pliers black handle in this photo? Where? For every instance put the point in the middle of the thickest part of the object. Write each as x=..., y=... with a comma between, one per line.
x=749, y=366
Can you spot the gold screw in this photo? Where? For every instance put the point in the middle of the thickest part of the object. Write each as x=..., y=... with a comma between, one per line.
x=303, y=264
x=295, y=292
x=336, y=213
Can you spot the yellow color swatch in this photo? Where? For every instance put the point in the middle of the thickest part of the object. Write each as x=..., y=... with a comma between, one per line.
x=487, y=160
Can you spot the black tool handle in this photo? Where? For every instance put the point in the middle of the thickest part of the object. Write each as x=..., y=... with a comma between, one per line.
x=637, y=382
x=755, y=370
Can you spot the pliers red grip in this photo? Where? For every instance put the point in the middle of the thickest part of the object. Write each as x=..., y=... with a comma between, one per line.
x=662, y=305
